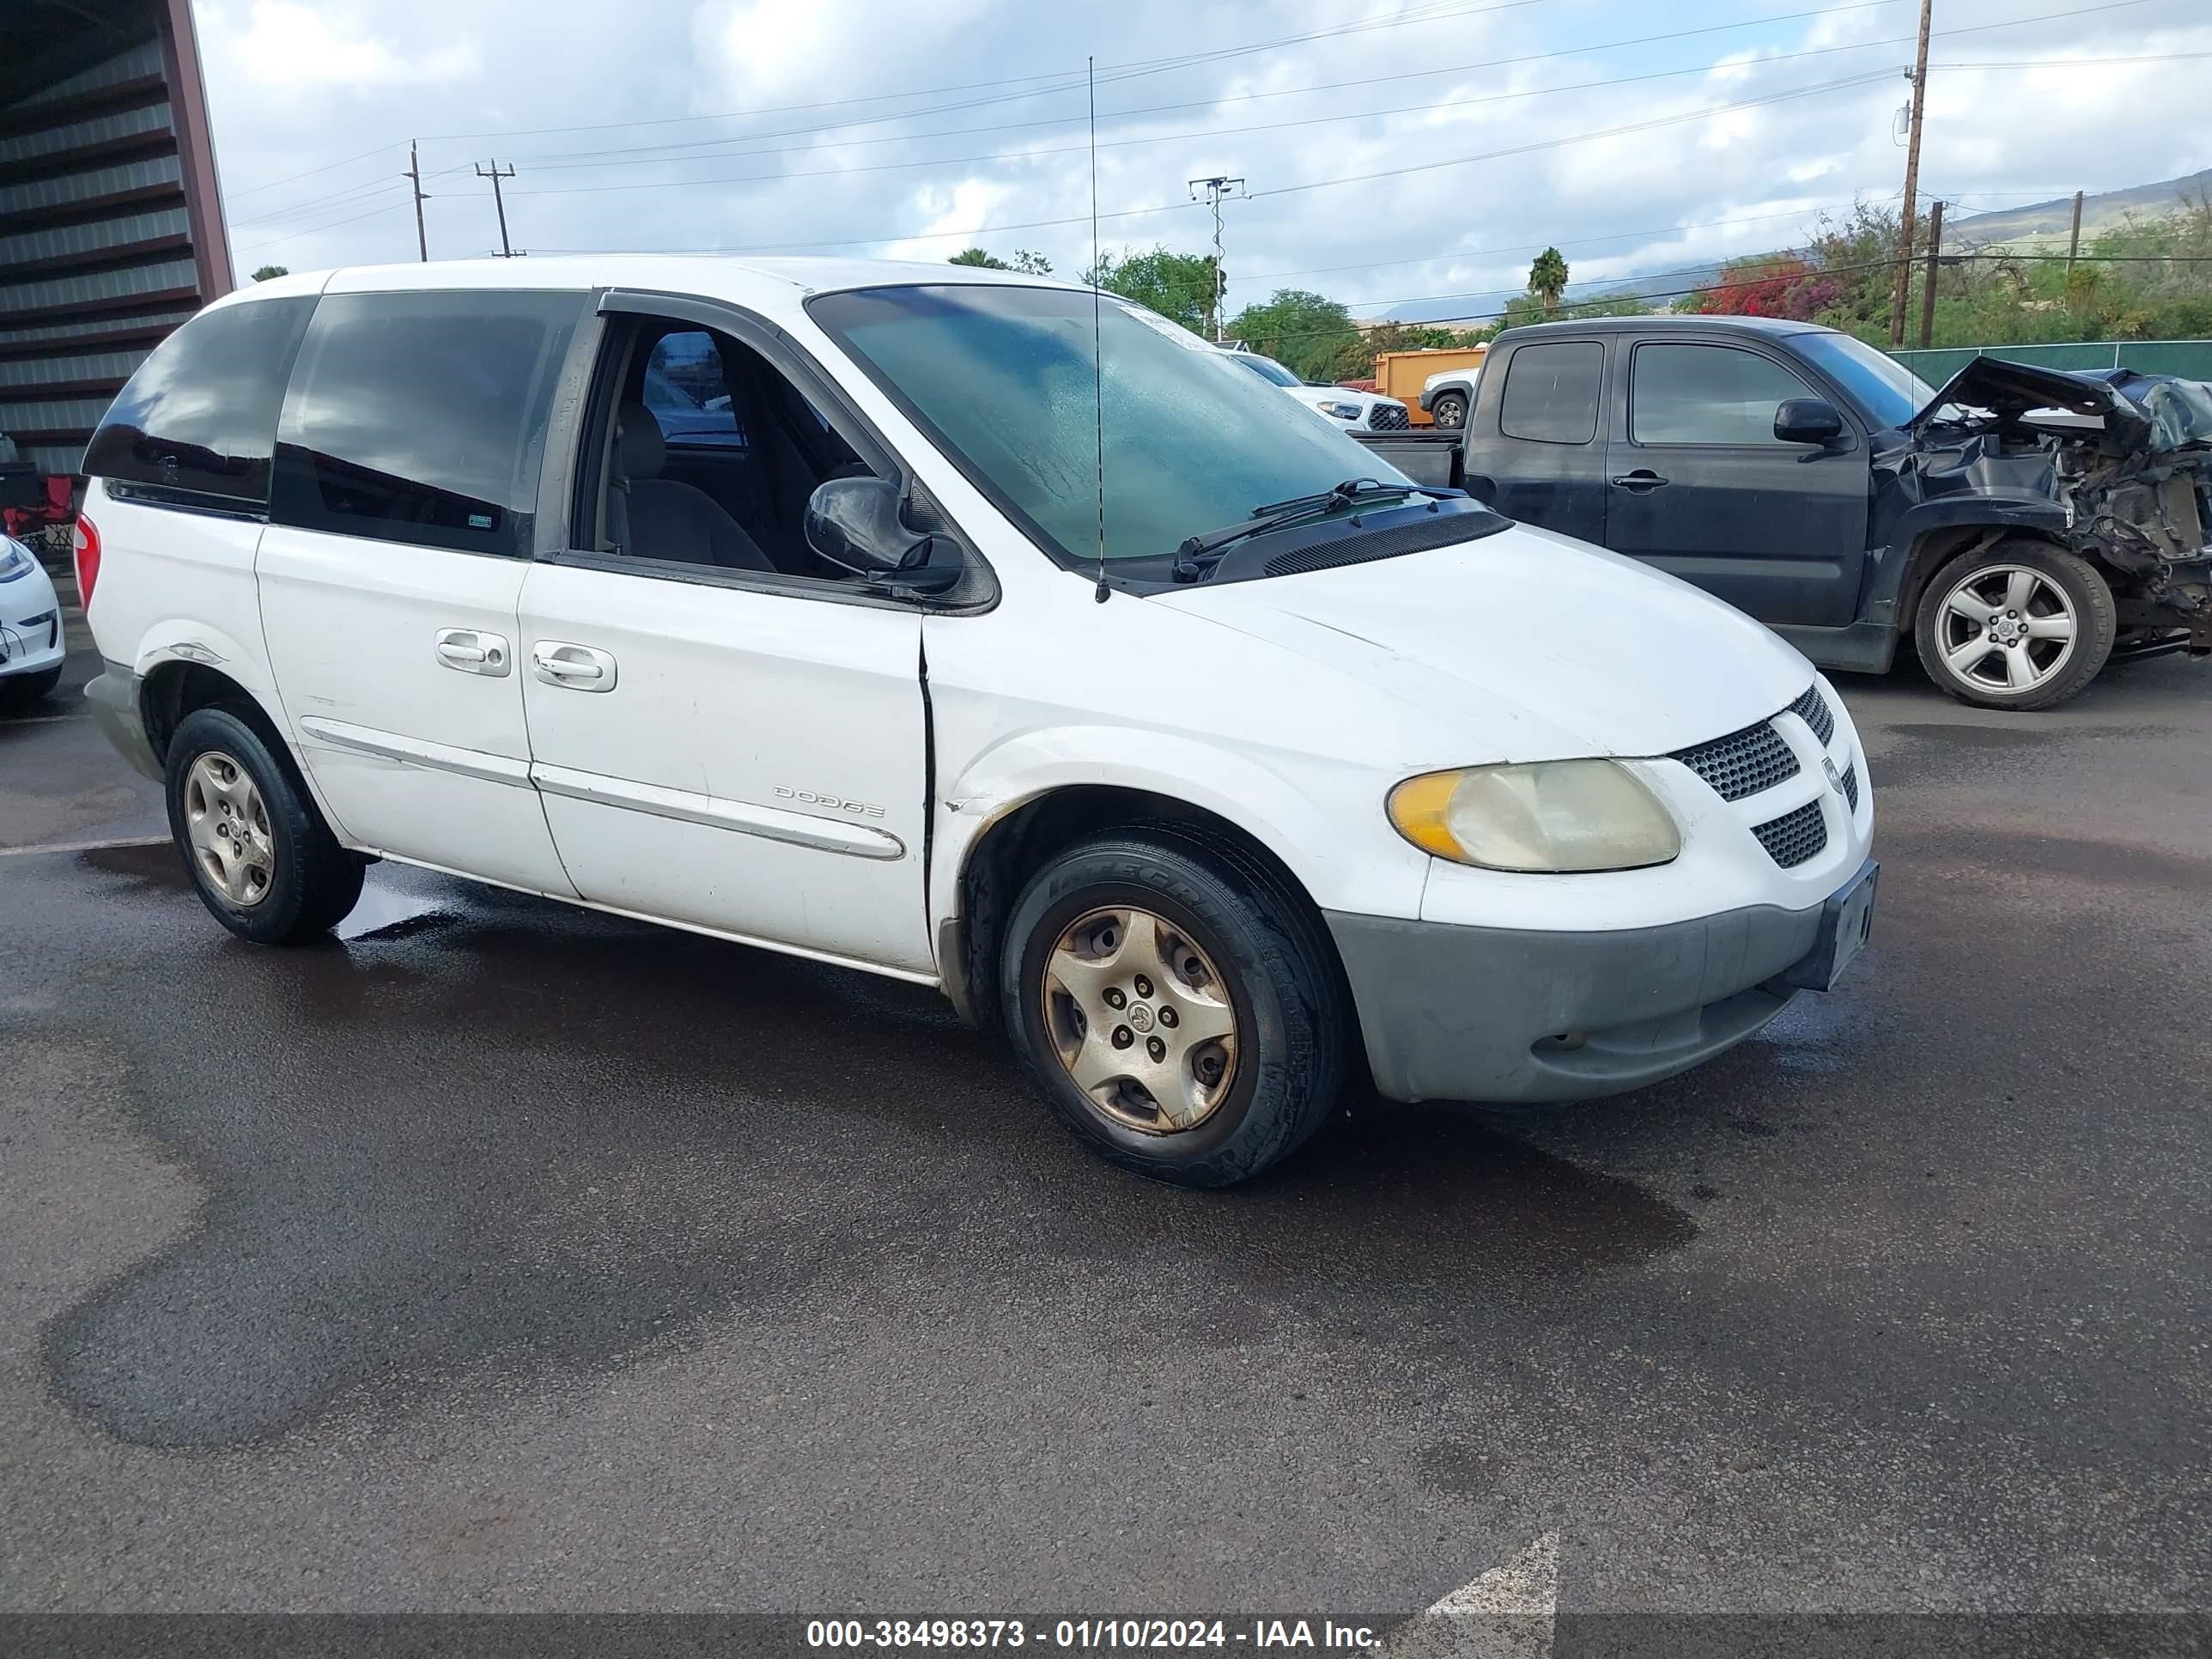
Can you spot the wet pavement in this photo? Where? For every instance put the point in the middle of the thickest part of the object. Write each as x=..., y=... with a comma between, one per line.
x=498, y=1254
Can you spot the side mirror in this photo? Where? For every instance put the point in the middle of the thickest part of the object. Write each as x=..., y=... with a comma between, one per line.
x=855, y=524
x=1807, y=420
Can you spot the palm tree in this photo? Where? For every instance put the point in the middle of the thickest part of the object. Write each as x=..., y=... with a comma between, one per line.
x=1547, y=278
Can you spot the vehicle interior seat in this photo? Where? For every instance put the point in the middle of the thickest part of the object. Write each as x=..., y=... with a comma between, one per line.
x=651, y=517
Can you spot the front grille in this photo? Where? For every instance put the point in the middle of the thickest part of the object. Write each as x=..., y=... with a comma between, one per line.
x=1812, y=709
x=1743, y=762
x=1795, y=836
x=1387, y=418
x=1851, y=785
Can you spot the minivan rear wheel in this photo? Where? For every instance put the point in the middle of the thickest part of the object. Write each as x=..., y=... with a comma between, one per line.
x=1176, y=1004
x=260, y=856
x=2020, y=625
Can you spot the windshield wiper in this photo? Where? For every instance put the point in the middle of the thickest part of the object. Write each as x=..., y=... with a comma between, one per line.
x=1196, y=559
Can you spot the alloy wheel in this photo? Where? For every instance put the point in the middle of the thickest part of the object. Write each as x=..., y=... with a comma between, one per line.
x=229, y=828
x=2006, y=629
x=1141, y=1019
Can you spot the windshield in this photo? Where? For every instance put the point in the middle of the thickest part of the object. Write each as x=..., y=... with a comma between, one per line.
x=1001, y=379
x=1265, y=367
x=1885, y=388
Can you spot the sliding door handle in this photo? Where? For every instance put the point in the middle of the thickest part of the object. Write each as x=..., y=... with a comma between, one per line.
x=577, y=667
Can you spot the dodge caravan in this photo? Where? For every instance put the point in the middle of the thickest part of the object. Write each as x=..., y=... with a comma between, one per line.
x=972, y=629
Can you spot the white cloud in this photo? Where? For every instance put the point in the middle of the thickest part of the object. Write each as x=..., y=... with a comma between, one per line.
x=903, y=169
x=290, y=48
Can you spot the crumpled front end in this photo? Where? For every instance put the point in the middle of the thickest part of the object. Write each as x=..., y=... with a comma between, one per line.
x=2127, y=458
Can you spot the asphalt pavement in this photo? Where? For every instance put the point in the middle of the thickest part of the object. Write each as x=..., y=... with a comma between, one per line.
x=500, y=1255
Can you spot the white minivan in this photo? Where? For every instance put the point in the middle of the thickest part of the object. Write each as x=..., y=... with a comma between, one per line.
x=968, y=629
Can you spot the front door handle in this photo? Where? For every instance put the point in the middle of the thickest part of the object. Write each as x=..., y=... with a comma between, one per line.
x=471, y=651
x=577, y=667
x=1643, y=478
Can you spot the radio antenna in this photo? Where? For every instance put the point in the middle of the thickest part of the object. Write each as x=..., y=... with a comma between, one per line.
x=1097, y=336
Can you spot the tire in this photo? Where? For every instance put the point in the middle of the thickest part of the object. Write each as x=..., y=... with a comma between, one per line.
x=1264, y=963
x=2020, y=673
x=21, y=691
x=291, y=881
x=1450, y=411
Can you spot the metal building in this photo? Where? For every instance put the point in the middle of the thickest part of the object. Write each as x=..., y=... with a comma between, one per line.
x=111, y=224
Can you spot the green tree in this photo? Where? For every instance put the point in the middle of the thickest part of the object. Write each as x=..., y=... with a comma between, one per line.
x=267, y=271
x=1547, y=278
x=1025, y=260
x=1526, y=308
x=1179, y=286
x=1309, y=334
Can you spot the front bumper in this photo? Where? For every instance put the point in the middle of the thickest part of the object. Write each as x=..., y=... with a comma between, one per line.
x=112, y=696
x=32, y=646
x=1455, y=1012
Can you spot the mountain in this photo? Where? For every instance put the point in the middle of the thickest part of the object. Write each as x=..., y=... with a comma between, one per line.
x=2107, y=211
x=2038, y=223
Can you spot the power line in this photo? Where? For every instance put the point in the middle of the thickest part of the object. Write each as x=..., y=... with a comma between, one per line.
x=311, y=171
x=634, y=156
x=1698, y=114
x=294, y=236
x=1067, y=79
x=1002, y=157
x=561, y=162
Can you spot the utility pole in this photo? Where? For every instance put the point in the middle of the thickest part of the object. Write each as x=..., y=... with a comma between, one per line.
x=1218, y=188
x=1919, y=79
x=1928, y=288
x=414, y=176
x=499, y=202
x=2073, y=248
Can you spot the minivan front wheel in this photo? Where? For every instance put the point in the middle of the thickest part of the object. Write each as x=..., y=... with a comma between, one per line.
x=2021, y=624
x=260, y=856
x=1176, y=1006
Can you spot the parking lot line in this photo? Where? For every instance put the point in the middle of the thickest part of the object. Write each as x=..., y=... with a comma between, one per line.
x=84, y=846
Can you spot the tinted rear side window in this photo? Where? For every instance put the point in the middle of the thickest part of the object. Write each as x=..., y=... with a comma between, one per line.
x=1551, y=392
x=197, y=421
x=421, y=417
x=1706, y=394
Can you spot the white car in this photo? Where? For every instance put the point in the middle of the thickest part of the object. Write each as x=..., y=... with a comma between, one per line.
x=1355, y=411
x=1197, y=750
x=31, y=643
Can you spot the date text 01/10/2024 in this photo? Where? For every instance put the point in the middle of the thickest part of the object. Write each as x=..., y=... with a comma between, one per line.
x=1086, y=1633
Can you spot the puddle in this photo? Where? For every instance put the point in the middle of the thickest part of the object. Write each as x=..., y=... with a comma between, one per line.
x=387, y=913
x=146, y=868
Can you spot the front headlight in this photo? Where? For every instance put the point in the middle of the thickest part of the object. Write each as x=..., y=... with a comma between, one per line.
x=1553, y=816
x=1342, y=412
x=14, y=559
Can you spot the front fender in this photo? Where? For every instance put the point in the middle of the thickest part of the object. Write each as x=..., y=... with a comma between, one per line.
x=1328, y=830
x=1894, y=566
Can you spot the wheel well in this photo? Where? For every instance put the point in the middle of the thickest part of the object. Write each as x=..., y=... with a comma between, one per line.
x=177, y=689
x=1936, y=549
x=1011, y=850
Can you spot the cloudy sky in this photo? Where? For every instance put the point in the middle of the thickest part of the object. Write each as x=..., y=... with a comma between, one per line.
x=1406, y=156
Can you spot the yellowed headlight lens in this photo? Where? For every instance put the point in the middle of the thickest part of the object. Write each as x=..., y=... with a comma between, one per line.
x=1552, y=817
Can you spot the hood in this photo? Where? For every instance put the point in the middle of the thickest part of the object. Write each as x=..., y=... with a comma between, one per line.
x=2010, y=392
x=1536, y=646
x=2180, y=411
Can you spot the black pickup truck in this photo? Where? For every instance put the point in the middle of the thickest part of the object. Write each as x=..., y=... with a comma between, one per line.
x=2021, y=525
